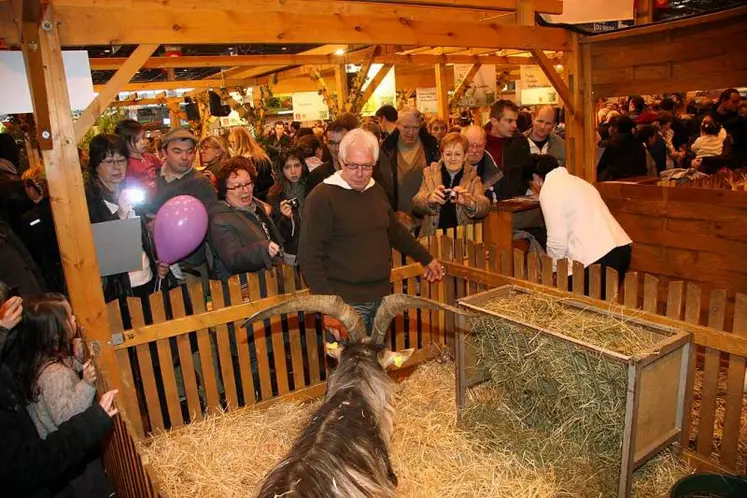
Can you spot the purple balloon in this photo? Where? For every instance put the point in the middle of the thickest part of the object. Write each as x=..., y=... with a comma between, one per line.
x=181, y=226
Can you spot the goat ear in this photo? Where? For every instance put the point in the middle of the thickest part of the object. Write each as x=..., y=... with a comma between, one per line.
x=333, y=349
x=396, y=358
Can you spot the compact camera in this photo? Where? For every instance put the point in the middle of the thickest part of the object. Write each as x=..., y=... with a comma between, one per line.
x=293, y=203
x=451, y=194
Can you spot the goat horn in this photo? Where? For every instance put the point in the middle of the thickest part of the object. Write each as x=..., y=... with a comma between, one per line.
x=333, y=306
x=393, y=304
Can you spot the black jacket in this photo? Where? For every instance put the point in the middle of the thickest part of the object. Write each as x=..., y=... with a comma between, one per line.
x=40, y=238
x=318, y=175
x=13, y=201
x=116, y=286
x=17, y=267
x=624, y=157
x=515, y=158
x=239, y=241
x=289, y=230
x=387, y=165
x=31, y=467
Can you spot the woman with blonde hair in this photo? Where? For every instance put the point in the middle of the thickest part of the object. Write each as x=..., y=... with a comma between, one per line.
x=213, y=151
x=242, y=144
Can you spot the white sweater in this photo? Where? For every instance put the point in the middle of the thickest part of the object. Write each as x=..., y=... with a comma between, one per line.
x=580, y=227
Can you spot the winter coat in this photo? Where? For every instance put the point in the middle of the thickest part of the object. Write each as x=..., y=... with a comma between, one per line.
x=239, y=241
x=515, y=157
x=40, y=238
x=13, y=201
x=432, y=178
x=554, y=147
x=387, y=164
x=32, y=467
x=17, y=267
x=624, y=157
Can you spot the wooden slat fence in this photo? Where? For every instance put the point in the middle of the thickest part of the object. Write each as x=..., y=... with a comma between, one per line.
x=183, y=358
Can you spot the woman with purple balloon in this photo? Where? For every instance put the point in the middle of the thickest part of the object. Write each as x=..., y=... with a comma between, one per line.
x=242, y=233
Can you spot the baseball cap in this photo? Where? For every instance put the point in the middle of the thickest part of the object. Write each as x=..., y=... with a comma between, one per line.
x=177, y=134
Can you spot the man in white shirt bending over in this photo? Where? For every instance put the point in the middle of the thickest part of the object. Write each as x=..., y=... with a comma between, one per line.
x=579, y=225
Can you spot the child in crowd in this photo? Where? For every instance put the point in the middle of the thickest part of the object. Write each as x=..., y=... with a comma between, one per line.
x=287, y=198
x=710, y=143
x=49, y=360
x=142, y=166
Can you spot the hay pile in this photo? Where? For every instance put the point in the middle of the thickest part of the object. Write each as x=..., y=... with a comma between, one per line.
x=225, y=456
x=555, y=392
x=604, y=331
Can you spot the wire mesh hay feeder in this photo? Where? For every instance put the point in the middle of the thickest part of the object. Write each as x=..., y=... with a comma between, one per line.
x=608, y=380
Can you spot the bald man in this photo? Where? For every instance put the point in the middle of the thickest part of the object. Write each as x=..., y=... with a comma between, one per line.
x=406, y=153
x=481, y=159
x=542, y=140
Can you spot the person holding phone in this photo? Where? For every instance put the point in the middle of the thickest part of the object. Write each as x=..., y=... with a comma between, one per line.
x=108, y=200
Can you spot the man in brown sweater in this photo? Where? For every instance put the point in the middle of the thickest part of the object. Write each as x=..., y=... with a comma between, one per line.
x=349, y=230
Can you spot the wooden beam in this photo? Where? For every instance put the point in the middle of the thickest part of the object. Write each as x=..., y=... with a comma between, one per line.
x=355, y=93
x=294, y=21
x=442, y=92
x=374, y=84
x=70, y=211
x=277, y=61
x=35, y=75
x=525, y=12
x=155, y=101
x=111, y=89
x=174, y=85
x=341, y=83
x=316, y=76
x=464, y=84
x=590, y=139
x=557, y=82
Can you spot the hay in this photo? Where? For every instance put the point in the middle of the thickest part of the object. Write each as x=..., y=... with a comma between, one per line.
x=225, y=456
x=550, y=313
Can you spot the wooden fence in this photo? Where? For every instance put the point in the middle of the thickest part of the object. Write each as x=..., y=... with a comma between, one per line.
x=183, y=359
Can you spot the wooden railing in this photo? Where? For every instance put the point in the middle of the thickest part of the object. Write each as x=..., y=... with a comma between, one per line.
x=287, y=362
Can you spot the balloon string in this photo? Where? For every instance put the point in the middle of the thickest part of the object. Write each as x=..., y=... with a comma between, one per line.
x=158, y=284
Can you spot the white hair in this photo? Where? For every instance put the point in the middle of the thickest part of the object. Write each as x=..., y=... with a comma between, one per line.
x=359, y=136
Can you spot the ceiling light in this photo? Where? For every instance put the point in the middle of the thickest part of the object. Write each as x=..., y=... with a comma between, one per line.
x=340, y=51
x=284, y=49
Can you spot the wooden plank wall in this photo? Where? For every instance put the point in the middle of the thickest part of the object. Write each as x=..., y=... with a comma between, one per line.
x=696, y=235
x=691, y=54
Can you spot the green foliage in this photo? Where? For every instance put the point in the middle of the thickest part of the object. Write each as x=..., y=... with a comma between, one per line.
x=105, y=124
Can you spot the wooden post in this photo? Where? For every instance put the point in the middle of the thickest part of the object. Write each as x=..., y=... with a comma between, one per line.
x=525, y=10
x=557, y=82
x=574, y=123
x=373, y=85
x=464, y=84
x=341, y=81
x=317, y=78
x=442, y=92
x=35, y=75
x=589, y=126
x=112, y=88
x=69, y=206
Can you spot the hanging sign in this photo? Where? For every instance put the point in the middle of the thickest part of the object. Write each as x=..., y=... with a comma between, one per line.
x=482, y=90
x=426, y=100
x=309, y=106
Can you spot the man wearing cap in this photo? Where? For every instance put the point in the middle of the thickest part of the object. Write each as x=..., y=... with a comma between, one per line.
x=178, y=177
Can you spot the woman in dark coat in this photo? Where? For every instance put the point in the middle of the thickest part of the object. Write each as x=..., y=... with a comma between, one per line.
x=625, y=155
x=242, y=233
x=287, y=198
x=108, y=201
x=39, y=234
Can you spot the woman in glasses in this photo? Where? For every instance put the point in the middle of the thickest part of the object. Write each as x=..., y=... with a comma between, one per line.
x=108, y=200
x=242, y=233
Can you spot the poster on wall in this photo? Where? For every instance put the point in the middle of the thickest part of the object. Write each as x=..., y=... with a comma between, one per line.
x=539, y=96
x=533, y=87
x=309, y=106
x=426, y=100
x=16, y=96
x=385, y=93
x=482, y=91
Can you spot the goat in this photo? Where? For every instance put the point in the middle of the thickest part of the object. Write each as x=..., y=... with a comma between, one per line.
x=344, y=449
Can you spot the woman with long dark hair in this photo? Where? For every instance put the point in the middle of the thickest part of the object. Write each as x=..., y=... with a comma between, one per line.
x=47, y=360
x=287, y=198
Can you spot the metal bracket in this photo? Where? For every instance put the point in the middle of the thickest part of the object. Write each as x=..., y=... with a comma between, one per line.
x=118, y=339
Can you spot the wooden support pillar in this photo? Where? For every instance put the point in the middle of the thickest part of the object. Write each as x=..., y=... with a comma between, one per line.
x=35, y=76
x=374, y=84
x=341, y=81
x=464, y=85
x=105, y=97
x=589, y=128
x=525, y=10
x=574, y=123
x=175, y=117
x=69, y=207
x=442, y=92
x=644, y=11
x=557, y=82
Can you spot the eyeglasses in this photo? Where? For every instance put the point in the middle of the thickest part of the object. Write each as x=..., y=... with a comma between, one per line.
x=362, y=167
x=240, y=186
x=112, y=162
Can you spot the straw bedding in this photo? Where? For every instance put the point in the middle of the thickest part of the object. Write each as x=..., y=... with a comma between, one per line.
x=433, y=456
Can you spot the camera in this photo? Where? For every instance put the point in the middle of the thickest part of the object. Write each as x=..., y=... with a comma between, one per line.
x=451, y=194
x=293, y=203
x=135, y=195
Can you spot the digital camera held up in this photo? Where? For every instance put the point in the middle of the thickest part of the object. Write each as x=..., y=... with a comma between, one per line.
x=294, y=204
